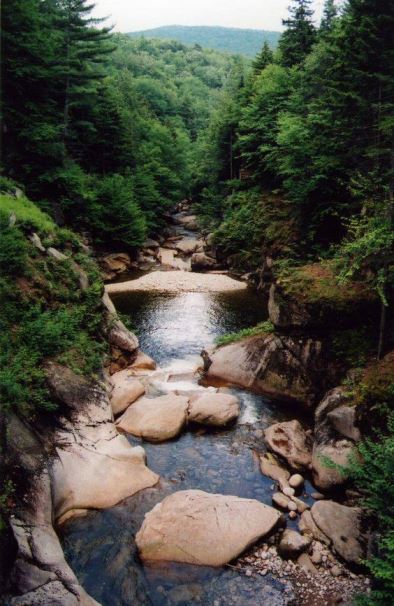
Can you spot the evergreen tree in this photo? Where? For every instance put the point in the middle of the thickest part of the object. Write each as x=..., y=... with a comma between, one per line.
x=297, y=40
x=264, y=58
x=83, y=48
x=329, y=14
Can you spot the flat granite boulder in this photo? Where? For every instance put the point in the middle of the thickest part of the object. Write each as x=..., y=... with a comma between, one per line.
x=155, y=419
x=279, y=366
x=205, y=529
x=126, y=390
x=342, y=526
x=216, y=409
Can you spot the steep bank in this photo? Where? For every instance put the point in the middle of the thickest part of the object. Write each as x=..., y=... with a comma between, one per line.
x=61, y=452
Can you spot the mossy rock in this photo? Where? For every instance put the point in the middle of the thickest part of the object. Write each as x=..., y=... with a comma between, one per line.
x=311, y=296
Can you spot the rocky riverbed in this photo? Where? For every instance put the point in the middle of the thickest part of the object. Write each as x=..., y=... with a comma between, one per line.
x=178, y=480
x=210, y=445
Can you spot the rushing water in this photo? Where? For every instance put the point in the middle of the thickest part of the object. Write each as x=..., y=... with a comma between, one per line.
x=100, y=546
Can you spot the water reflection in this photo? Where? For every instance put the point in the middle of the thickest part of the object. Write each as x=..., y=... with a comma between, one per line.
x=175, y=326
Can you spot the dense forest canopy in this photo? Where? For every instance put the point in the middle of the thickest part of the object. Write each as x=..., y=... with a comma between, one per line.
x=246, y=42
x=98, y=126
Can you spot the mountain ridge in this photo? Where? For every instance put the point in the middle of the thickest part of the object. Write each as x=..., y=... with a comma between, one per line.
x=228, y=39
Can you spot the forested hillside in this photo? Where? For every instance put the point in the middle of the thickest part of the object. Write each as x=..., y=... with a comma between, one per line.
x=295, y=179
x=229, y=39
x=98, y=126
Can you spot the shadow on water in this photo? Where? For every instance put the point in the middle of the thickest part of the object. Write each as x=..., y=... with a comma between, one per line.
x=100, y=547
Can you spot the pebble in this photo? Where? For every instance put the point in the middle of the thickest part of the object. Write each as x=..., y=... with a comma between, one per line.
x=336, y=571
x=293, y=515
x=296, y=480
x=291, y=506
x=288, y=491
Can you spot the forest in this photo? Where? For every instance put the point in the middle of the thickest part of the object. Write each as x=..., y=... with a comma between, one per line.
x=286, y=157
x=233, y=40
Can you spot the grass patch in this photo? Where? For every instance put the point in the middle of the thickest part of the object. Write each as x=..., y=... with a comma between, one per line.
x=262, y=328
x=28, y=215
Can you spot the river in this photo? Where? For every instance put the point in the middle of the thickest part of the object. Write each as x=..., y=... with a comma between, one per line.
x=173, y=329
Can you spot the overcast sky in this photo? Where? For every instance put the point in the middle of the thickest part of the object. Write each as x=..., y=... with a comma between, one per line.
x=134, y=15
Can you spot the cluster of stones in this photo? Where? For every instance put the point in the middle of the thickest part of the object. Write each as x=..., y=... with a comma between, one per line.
x=175, y=250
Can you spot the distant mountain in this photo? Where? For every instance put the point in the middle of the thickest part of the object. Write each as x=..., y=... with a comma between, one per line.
x=231, y=39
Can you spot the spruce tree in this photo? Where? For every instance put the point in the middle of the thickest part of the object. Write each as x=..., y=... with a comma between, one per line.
x=297, y=40
x=83, y=48
x=329, y=14
x=264, y=58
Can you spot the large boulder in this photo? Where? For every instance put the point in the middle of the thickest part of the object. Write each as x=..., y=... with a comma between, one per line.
x=310, y=296
x=329, y=462
x=292, y=544
x=330, y=450
x=126, y=389
x=155, y=419
x=200, y=260
x=290, y=442
x=281, y=367
x=213, y=409
x=196, y=527
x=122, y=338
x=187, y=246
x=166, y=256
x=342, y=526
x=115, y=263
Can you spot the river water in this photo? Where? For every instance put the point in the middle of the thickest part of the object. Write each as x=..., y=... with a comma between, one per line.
x=100, y=546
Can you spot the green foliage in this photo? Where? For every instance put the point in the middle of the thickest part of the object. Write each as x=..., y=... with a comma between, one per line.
x=13, y=248
x=373, y=475
x=114, y=215
x=230, y=39
x=27, y=214
x=297, y=40
x=44, y=315
x=354, y=346
x=369, y=245
x=260, y=329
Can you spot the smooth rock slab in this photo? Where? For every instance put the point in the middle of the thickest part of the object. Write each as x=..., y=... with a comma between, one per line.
x=155, y=419
x=216, y=409
x=126, y=390
x=200, y=528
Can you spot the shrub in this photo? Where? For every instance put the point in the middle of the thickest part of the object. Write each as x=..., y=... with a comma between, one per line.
x=374, y=477
x=114, y=215
x=13, y=248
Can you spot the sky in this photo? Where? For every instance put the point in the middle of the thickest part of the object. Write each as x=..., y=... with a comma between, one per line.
x=135, y=15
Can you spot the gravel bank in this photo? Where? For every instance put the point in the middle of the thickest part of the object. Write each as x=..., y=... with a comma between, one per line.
x=178, y=281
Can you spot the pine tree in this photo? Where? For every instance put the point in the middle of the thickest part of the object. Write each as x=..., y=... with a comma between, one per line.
x=329, y=14
x=83, y=49
x=297, y=40
x=264, y=58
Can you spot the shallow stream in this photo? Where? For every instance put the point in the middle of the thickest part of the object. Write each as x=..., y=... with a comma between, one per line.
x=100, y=546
